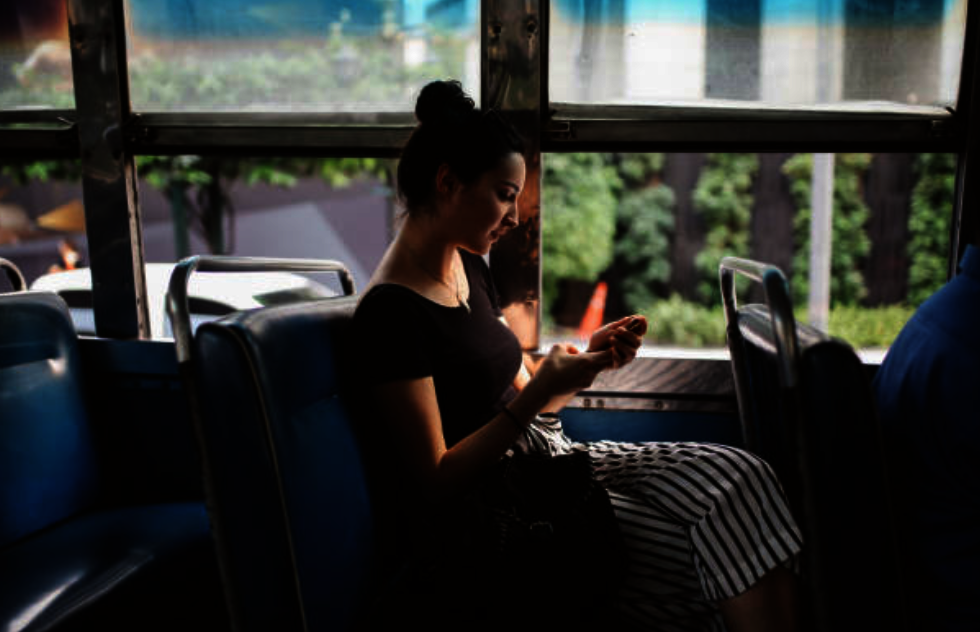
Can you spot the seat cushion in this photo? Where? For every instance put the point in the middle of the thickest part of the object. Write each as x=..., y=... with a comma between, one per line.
x=144, y=559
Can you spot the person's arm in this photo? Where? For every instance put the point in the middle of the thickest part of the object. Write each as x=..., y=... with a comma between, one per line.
x=623, y=337
x=412, y=413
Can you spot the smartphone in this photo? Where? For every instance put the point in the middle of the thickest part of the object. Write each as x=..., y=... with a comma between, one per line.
x=637, y=326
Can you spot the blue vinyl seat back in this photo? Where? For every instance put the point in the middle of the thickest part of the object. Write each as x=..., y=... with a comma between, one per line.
x=823, y=439
x=286, y=485
x=48, y=467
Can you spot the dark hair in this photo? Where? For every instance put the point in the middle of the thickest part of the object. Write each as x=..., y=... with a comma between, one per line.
x=451, y=130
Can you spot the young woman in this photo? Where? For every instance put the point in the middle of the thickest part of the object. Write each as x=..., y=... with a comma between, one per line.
x=708, y=534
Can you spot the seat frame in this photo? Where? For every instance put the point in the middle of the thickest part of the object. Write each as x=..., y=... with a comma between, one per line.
x=285, y=484
x=806, y=407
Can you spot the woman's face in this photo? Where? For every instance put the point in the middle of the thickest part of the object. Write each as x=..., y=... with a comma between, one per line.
x=485, y=209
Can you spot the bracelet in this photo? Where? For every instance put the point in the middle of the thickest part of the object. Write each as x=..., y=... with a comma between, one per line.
x=510, y=415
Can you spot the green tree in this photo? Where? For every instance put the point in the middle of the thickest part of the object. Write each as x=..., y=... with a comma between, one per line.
x=578, y=195
x=644, y=225
x=850, y=242
x=932, y=205
x=723, y=197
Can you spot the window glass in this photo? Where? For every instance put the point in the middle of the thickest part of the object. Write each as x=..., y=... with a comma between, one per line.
x=335, y=208
x=305, y=55
x=865, y=54
x=35, y=57
x=332, y=208
x=42, y=220
x=676, y=215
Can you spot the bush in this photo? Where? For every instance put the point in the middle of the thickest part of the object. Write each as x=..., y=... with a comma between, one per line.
x=681, y=323
x=932, y=203
x=849, y=241
x=646, y=220
x=724, y=198
x=578, y=195
x=644, y=228
x=866, y=327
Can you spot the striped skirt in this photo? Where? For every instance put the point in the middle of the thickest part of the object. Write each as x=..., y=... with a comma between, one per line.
x=701, y=522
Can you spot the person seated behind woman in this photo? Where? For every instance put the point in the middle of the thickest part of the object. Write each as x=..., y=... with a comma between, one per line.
x=708, y=535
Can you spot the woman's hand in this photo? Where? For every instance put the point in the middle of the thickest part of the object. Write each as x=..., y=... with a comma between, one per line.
x=566, y=370
x=623, y=337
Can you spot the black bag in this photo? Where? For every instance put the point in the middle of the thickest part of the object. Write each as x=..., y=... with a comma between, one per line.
x=537, y=539
x=533, y=544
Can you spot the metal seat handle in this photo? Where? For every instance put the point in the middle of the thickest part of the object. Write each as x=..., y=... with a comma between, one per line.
x=14, y=274
x=178, y=305
x=780, y=306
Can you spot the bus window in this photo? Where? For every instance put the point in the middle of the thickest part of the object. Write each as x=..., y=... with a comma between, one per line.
x=310, y=56
x=336, y=208
x=855, y=55
x=35, y=58
x=42, y=220
x=643, y=233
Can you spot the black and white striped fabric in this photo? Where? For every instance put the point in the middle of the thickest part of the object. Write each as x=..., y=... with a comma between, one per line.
x=701, y=523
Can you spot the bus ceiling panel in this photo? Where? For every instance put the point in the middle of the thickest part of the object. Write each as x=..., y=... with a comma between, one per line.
x=269, y=133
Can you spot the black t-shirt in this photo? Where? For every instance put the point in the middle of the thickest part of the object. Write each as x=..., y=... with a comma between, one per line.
x=471, y=356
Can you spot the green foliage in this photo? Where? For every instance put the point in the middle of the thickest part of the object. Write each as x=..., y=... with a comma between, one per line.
x=637, y=170
x=677, y=322
x=645, y=222
x=864, y=327
x=331, y=71
x=42, y=171
x=849, y=241
x=932, y=204
x=602, y=210
x=238, y=74
x=723, y=197
x=578, y=196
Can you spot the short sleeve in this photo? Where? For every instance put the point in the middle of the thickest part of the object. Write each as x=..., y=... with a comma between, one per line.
x=393, y=336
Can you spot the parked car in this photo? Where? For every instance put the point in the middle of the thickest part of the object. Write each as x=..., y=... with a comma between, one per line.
x=210, y=295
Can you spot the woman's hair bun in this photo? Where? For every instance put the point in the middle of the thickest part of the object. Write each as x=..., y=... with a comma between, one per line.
x=441, y=99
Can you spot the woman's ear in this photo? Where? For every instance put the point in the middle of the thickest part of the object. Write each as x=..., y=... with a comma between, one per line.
x=446, y=180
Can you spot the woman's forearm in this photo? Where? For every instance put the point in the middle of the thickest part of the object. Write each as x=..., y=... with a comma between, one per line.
x=462, y=463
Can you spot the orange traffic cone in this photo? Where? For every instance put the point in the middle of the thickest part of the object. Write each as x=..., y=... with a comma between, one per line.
x=592, y=319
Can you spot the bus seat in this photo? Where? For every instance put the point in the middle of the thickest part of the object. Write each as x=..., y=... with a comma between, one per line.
x=806, y=408
x=287, y=492
x=66, y=559
x=289, y=499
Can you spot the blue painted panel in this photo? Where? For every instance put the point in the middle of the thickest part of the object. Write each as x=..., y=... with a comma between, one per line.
x=584, y=424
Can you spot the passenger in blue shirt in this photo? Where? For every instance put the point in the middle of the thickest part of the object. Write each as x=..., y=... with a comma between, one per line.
x=928, y=392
